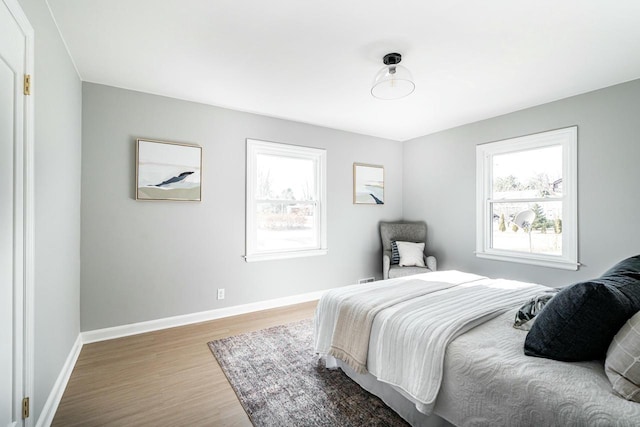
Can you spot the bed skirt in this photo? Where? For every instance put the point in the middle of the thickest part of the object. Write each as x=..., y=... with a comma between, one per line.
x=393, y=397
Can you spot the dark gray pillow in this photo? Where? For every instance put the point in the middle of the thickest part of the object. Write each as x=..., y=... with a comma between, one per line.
x=395, y=254
x=582, y=319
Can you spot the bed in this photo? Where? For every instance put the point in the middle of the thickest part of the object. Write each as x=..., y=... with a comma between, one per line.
x=441, y=350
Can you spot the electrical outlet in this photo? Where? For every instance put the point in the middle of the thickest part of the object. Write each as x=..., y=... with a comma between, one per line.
x=366, y=280
x=221, y=293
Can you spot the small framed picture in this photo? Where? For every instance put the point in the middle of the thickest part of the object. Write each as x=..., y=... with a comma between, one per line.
x=168, y=171
x=368, y=184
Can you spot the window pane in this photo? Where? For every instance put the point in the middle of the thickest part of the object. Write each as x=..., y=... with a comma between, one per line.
x=286, y=210
x=285, y=178
x=511, y=227
x=528, y=174
x=286, y=225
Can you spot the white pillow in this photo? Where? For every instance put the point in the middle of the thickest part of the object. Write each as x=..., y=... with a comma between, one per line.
x=411, y=254
x=623, y=360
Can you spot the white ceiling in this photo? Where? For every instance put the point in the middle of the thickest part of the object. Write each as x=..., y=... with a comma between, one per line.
x=314, y=61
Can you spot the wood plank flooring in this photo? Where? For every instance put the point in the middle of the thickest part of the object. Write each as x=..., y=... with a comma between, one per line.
x=163, y=378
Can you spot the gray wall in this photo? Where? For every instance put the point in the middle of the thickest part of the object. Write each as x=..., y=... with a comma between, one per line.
x=439, y=183
x=58, y=104
x=149, y=260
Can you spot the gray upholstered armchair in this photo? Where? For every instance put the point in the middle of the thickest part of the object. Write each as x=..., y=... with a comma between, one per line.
x=403, y=232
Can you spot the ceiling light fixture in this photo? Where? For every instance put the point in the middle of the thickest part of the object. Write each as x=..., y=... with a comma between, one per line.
x=393, y=81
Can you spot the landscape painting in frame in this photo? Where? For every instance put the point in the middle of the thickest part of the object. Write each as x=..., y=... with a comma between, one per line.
x=368, y=184
x=168, y=171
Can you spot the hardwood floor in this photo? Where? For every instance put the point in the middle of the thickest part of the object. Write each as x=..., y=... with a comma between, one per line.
x=163, y=378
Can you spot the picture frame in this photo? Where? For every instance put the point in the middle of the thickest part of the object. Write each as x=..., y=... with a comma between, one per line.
x=168, y=170
x=368, y=184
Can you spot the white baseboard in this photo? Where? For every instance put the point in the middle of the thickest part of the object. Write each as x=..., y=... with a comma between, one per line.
x=187, y=319
x=51, y=405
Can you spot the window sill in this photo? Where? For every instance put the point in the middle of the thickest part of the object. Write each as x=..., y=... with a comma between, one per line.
x=527, y=259
x=284, y=255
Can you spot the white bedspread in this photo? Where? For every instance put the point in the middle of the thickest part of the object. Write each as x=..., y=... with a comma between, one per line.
x=489, y=381
x=411, y=337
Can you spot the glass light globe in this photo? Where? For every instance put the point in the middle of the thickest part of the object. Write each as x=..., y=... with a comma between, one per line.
x=392, y=82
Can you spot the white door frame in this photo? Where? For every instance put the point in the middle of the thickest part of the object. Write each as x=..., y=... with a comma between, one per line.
x=24, y=185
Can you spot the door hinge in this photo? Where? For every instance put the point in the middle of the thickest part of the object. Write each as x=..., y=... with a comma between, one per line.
x=25, y=408
x=27, y=84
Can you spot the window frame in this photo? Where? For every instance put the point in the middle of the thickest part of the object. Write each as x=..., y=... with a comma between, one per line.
x=567, y=138
x=257, y=147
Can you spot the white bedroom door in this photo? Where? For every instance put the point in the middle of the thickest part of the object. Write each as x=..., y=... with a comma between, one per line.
x=13, y=55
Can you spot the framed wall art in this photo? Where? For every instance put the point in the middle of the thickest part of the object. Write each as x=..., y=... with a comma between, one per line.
x=368, y=184
x=168, y=171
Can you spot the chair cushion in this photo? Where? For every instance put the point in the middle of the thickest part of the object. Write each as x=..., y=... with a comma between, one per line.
x=582, y=319
x=623, y=360
x=411, y=254
x=397, y=271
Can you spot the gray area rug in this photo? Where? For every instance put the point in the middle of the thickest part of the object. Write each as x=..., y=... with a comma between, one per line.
x=281, y=382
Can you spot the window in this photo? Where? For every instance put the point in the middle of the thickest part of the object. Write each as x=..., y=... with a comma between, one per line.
x=527, y=199
x=286, y=201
